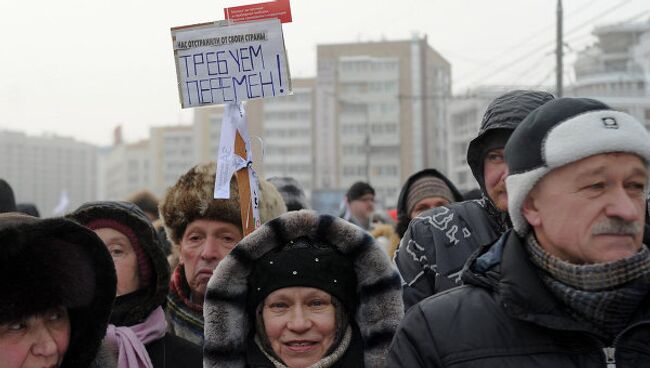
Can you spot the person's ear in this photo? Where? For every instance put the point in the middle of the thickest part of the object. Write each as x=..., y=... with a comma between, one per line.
x=530, y=211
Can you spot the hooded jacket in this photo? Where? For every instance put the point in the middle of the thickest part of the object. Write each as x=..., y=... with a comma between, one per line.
x=229, y=328
x=133, y=308
x=403, y=217
x=504, y=316
x=439, y=241
x=56, y=262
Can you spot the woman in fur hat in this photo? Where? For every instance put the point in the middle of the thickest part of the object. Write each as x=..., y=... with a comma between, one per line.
x=302, y=291
x=58, y=286
x=203, y=230
x=138, y=328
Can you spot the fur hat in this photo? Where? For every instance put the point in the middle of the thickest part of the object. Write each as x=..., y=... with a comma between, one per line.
x=563, y=131
x=192, y=198
x=47, y=263
x=228, y=323
x=291, y=191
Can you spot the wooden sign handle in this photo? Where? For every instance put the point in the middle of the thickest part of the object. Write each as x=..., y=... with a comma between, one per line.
x=246, y=208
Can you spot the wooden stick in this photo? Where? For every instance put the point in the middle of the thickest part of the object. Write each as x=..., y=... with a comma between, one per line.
x=246, y=208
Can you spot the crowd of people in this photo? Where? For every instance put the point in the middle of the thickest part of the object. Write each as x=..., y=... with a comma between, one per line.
x=547, y=267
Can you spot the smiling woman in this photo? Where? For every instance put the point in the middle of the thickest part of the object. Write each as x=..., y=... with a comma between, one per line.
x=314, y=291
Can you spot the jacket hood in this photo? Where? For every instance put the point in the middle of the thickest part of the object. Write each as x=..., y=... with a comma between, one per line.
x=501, y=118
x=56, y=262
x=133, y=308
x=228, y=325
x=403, y=218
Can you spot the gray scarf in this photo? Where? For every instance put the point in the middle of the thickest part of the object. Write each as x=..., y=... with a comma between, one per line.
x=605, y=295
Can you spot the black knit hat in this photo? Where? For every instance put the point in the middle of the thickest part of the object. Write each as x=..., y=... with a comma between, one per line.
x=358, y=190
x=561, y=132
x=502, y=116
x=308, y=263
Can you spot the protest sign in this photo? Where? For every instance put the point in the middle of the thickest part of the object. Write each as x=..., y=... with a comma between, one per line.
x=218, y=63
x=273, y=9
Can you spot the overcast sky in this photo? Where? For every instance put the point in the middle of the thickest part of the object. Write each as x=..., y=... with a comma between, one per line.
x=80, y=67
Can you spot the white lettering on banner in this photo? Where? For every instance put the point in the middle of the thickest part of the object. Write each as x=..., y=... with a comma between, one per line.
x=228, y=162
x=218, y=64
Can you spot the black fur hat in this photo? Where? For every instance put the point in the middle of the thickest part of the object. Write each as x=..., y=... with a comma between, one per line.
x=57, y=262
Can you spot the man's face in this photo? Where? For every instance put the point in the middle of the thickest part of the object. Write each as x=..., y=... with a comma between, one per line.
x=495, y=171
x=363, y=207
x=204, y=244
x=592, y=210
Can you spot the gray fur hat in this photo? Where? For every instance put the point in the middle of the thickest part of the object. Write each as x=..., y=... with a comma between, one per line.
x=228, y=323
x=192, y=198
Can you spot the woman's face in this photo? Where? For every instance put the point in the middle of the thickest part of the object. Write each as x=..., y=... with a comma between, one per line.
x=35, y=342
x=124, y=258
x=300, y=324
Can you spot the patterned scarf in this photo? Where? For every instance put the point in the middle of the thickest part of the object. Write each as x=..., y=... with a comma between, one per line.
x=179, y=306
x=605, y=295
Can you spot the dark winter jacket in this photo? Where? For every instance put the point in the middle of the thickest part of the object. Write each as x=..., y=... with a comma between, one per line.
x=439, y=241
x=504, y=316
x=130, y=309
x=403, y=217
x=56, y=262
x=229, y=328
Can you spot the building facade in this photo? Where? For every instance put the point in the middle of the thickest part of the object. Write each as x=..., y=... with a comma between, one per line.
x=50, y=171
x=379, y=114
x=616, y=69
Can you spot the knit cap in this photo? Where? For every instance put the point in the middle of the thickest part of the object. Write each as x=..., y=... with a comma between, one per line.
x=560, y=132
x=427, y=187
x=144, y=265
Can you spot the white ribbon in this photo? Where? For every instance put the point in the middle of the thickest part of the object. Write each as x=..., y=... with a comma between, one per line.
x=228, y=162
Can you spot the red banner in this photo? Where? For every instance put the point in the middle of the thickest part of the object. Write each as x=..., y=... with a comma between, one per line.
x=274, y=9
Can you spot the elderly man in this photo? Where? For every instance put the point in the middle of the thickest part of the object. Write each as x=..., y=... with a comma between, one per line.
x=570, y=286
x=438, y=242
x=203, y=230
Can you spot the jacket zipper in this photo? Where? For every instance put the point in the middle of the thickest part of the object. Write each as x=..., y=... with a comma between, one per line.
x=610, y=357
x=610, y=352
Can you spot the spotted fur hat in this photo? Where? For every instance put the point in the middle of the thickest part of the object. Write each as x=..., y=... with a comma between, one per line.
x=192, y=198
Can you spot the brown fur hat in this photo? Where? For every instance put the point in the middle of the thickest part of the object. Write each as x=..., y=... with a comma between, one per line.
x=192, y=198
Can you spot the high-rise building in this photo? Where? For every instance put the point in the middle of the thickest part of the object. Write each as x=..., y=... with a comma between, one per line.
x=616, y=69
x=288, y=134
x=171, y=151
x=52, y=172
x=125, y=170
x=379, y=117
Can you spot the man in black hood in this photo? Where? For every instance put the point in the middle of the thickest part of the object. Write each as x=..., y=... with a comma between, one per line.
x=439, y=241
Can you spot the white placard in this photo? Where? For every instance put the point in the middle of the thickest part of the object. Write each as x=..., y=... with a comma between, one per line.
x=218, y=63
